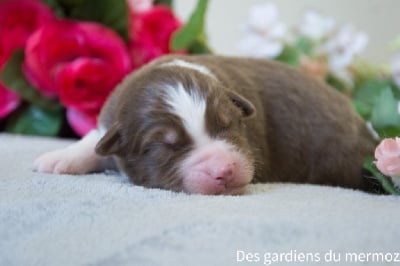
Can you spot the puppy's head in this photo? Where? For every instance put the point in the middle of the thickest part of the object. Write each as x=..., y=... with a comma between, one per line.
x=179, y=129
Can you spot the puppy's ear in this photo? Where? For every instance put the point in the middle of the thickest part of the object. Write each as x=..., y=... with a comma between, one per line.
x=247, y=108
x=111, y=142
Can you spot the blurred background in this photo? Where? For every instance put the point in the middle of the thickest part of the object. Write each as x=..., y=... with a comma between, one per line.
x=353, y=45
x=378, y=18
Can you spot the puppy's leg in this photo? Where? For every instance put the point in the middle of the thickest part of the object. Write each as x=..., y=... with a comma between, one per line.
x=78, y=158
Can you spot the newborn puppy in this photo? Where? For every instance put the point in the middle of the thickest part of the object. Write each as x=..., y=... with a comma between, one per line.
x=213, y=124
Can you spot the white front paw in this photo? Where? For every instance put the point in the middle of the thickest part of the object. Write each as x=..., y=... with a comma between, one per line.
x=65, y=161
x=78, y=158
x=58, y=162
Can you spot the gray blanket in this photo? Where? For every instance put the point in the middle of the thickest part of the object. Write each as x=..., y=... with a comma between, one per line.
x=101, y=219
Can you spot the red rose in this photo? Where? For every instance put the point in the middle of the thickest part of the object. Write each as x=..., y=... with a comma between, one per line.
x=9, y=101
x=81, y=62
x=18, y=19
x=150, y=33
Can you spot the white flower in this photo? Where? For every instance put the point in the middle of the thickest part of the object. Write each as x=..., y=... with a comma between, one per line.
x=139, y=6
x=264, y=32
x=345, y=46
x=396, y=70
x=258, y=46
x=315, y=26
x=342, y=50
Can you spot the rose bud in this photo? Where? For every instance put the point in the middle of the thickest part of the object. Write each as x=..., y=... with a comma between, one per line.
x=150, y=34
x=387, y=156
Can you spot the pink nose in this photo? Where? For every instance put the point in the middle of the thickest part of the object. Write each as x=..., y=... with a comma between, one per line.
x=214, y=170
x=222, y=174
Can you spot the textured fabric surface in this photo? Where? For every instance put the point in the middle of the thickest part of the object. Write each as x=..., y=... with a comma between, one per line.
x=101, y=219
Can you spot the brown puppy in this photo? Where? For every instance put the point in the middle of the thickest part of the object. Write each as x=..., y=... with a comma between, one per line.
x=213, y=124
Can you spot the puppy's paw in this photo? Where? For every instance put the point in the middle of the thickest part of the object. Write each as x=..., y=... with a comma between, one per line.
x=78, y=158
x=65, y=161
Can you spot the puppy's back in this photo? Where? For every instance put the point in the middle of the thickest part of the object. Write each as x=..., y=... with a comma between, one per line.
x=304, y=130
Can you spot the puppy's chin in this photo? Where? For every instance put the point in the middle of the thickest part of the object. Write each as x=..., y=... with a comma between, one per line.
x=218, y=190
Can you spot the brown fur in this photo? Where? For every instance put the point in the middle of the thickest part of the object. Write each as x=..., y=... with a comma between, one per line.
x=303, y=130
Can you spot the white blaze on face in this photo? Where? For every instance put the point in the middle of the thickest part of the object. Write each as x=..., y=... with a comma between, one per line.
x=214, y=166
x=191, y=108
x=199, y=68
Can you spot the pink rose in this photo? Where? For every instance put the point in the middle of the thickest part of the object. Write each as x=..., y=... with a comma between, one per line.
x=387, y=156
x=151, y=33
x=81, y=122
x=81, y=62
x=18, y=19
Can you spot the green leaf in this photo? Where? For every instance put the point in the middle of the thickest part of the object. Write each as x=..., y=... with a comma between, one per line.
x=395, y=89
x=200, y=47
x=338, y=84
x=362, y=109
x=364, y=72
x=304, y=45
x=385, y=117
x=290, y=55
x=13, y=78
x=367, y=94
x=169, y=3
x=70, y=3
x=112, y=13
x=193, y=31
x=384, y=180
x=56, y=7
x=33, y=120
